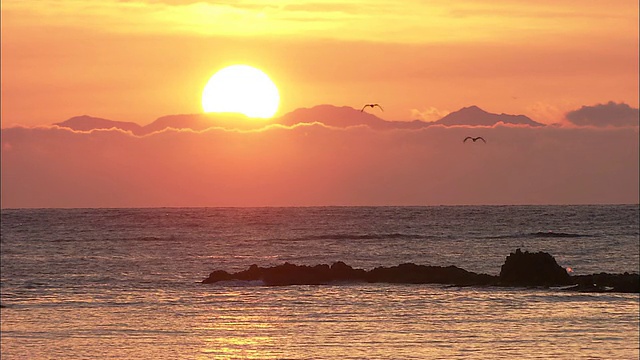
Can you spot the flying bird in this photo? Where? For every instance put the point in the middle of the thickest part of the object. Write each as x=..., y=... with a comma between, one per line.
x=371, y=106
x=474, y=139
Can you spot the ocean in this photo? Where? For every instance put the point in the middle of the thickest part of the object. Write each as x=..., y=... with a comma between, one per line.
x=126, y=283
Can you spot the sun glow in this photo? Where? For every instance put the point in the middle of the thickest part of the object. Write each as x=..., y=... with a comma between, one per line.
x=241, y=89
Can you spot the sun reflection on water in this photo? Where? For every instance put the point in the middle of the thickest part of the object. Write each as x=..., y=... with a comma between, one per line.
x=335, y=322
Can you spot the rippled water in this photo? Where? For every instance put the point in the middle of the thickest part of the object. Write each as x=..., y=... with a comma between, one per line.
x=124, y=283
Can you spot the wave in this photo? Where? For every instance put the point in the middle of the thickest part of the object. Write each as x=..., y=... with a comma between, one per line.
x=392, y=236
x=123, y=239
x=351, y=236
x=241, y=283
x=348, y=236
x=539, y=234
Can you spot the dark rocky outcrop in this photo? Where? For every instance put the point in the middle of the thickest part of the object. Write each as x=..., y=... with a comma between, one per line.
x=604, y=282
x=290, y=274
x=533, y=269
x=521, y=269
x=410, y=273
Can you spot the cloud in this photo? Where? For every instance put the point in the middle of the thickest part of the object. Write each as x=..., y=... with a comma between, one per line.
x=429, y=114
x=307, y=165
x=609, y=114
x=408, y=22
x=547, y=113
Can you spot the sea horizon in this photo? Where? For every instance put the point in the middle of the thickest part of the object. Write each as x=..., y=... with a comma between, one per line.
x=321, y=206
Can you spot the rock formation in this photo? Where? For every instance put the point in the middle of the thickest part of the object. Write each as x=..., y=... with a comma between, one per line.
x=532, y=269
x=521, y=269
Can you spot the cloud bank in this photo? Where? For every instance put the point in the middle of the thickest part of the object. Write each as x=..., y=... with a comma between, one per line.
x=609, y=114
x=313, y=164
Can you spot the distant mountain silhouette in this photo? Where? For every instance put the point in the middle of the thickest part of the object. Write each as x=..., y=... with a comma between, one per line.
x=344, y=116
x=474, y=116
x=87, y=123
x=200, y=122
x=195, y=122
x=330, y=115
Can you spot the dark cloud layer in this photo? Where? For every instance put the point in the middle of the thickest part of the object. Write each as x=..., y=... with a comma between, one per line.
x=609, y=114
x=307, y=165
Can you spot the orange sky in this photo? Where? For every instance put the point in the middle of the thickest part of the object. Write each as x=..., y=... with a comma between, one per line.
x=571, y=64
x=139, y=60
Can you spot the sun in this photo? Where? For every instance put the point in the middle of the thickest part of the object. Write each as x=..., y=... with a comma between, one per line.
x=241, y=89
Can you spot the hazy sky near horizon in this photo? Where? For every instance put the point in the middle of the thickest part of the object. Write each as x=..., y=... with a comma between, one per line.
x=138, y=60
x=570, y=64
x=316, y=165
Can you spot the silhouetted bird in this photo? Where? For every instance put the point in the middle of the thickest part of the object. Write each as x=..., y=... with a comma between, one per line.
x=474, y=139
x=371, y=106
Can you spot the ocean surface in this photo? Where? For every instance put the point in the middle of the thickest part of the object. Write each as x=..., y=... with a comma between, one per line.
x=125, y=283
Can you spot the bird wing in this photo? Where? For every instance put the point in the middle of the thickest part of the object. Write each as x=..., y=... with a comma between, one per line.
x=361, y=110
x=467, y=138
x=481, y=138
x=378, y=105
